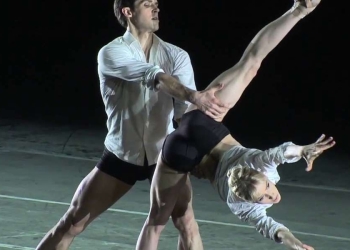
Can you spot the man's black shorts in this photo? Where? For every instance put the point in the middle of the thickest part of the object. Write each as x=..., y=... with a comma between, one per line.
x=124, y=171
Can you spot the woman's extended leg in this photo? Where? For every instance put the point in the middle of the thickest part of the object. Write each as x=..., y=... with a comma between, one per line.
x=237, y=78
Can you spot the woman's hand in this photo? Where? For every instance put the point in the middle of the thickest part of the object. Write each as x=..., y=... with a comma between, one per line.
x=312, y=151
x=291, y=242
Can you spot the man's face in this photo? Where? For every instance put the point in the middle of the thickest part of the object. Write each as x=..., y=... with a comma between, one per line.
x=145, y=15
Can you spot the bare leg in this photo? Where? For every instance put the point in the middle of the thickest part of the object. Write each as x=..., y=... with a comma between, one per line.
x=95, y=194
x=167, y=186
x=237, y=78
x=180, y=239
x=184, y=220
x=180, y=244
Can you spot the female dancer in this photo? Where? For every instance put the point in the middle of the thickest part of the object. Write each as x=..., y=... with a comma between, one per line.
x=245, y=178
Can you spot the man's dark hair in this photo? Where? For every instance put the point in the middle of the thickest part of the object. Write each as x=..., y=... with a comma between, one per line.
x=118, y=6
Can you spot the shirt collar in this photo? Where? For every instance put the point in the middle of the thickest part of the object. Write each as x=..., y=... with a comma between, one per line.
x=130, y=39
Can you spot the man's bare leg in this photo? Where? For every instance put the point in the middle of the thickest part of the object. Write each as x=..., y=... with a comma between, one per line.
x=95, y=194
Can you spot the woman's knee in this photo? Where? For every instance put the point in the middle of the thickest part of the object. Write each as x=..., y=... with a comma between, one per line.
x=159, y=215
x=154, y=225
x=186, y=224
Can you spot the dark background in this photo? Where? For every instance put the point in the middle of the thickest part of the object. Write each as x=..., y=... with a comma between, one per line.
x=300, y=92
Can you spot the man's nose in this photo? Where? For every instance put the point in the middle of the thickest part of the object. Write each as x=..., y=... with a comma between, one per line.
x=155, y=8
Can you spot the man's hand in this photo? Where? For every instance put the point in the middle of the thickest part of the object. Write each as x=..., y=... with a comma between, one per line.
x=291, y=242
x=207, y=102
x=314, y=150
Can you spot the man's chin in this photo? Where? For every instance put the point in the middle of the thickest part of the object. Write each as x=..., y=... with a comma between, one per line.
x=155, y=29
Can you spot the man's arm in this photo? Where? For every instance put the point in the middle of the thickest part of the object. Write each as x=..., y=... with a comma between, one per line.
x=206, y=100
x=173, y=87
x=117, y=61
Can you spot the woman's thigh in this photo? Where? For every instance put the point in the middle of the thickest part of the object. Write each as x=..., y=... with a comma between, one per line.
x=165, y=192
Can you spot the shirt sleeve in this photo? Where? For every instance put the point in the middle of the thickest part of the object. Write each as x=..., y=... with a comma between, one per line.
x=269, y=159
x=183, y=72
x=255, y=215
x=116, y=60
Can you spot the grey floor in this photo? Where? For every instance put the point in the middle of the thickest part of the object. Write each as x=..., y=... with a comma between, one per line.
x=36, y=188
x=42, y=164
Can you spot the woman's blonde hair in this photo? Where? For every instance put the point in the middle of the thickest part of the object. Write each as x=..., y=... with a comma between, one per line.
x=242, y=181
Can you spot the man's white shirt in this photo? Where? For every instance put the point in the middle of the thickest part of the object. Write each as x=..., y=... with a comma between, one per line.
x=139, y=117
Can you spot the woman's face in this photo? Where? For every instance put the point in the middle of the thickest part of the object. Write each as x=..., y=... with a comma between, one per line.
x=266, y=192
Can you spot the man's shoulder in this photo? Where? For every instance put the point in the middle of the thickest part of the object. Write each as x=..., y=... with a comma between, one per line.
x=115, y=44
x=118, y=41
